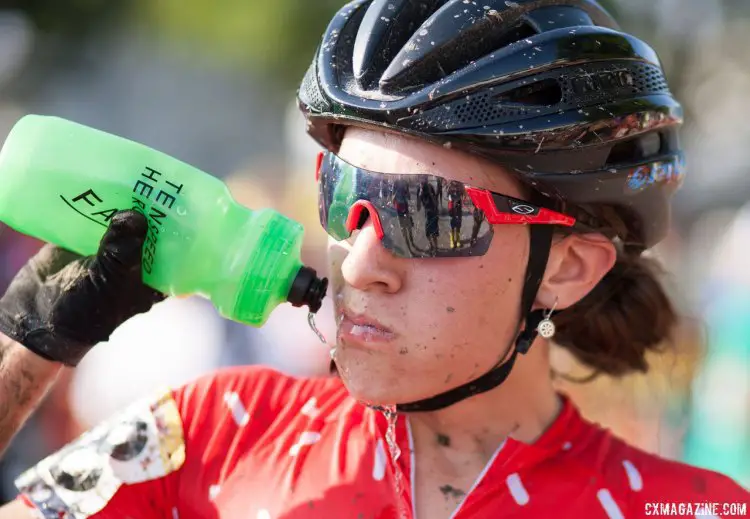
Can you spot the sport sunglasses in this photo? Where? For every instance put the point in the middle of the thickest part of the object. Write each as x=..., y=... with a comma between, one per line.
x=418, y=216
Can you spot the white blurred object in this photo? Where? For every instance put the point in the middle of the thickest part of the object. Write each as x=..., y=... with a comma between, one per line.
x=250, y=190
x=729, y=260
x=9, y=116
x=287, y=343
x=16, y=42
x=700, y=245
x=302, y=148
x=176, y=342
x=719, y=132
x=686, y=18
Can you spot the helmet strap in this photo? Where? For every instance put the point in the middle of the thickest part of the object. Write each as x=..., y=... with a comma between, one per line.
x=540, y=238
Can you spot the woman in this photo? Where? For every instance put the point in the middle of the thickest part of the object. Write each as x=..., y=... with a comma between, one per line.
x=456, y=211
x=428, y=201
x=521, y=103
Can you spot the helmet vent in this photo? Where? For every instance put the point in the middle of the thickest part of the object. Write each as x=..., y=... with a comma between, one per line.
x=546, y=92
x=470, y=45
x=310, y=92
x=641, y=148
x=483, y=110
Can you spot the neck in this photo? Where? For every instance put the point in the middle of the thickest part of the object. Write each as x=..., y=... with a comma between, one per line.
x=523, y=407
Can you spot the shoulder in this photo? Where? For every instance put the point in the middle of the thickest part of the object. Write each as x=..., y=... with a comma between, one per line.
x=131, y=464
x=140, y=447
x=664, y=479
x=644, y=477
x=255, y=388
x=252, y=398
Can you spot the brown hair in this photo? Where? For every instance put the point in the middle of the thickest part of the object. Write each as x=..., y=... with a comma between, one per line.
x=627, y=315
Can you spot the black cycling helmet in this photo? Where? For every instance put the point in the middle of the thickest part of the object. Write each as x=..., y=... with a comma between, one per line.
x=551, y=89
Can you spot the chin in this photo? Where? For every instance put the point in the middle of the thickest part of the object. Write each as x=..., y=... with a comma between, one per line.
x=368, y=384
x=371, y=387
x=371, y=390
x=372, y=399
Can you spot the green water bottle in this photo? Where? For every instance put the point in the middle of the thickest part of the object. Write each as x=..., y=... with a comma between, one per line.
x=62, y=183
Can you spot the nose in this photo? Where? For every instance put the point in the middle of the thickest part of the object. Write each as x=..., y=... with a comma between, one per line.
x=368, y=265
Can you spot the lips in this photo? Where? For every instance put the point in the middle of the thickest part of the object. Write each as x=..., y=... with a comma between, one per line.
x=363, y=329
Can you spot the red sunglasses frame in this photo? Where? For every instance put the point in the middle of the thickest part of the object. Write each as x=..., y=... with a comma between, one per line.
x=522, y=212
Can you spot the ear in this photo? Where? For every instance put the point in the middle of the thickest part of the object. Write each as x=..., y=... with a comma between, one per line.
x=577, y=263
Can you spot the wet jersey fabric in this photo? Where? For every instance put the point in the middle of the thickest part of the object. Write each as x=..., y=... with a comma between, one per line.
x=253, y=443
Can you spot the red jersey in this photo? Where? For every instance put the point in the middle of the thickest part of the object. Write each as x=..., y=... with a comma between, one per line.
x=251, y=443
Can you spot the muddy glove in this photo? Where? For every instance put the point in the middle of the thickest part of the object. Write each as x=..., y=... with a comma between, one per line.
x=60, y=304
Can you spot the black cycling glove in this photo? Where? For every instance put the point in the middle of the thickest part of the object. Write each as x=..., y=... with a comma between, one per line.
x=60, y=304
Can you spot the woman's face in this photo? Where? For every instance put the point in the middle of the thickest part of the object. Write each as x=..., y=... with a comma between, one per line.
x=438, y=323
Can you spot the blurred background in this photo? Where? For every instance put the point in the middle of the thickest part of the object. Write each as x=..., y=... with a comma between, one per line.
x=214, y=83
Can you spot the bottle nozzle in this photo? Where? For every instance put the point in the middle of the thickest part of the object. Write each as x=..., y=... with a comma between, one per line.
x=308, y=290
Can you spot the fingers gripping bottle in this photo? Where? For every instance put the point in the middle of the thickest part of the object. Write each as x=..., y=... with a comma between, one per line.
x=63, y=182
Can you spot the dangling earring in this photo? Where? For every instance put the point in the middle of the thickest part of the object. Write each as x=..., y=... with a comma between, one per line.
x=547, y=328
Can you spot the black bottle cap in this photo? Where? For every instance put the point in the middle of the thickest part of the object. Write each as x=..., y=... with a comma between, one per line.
x=308, y=290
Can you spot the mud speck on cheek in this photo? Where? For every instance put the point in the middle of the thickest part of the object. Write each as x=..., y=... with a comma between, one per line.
x=443, y=440
x=403, y=351
x=450, y=310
